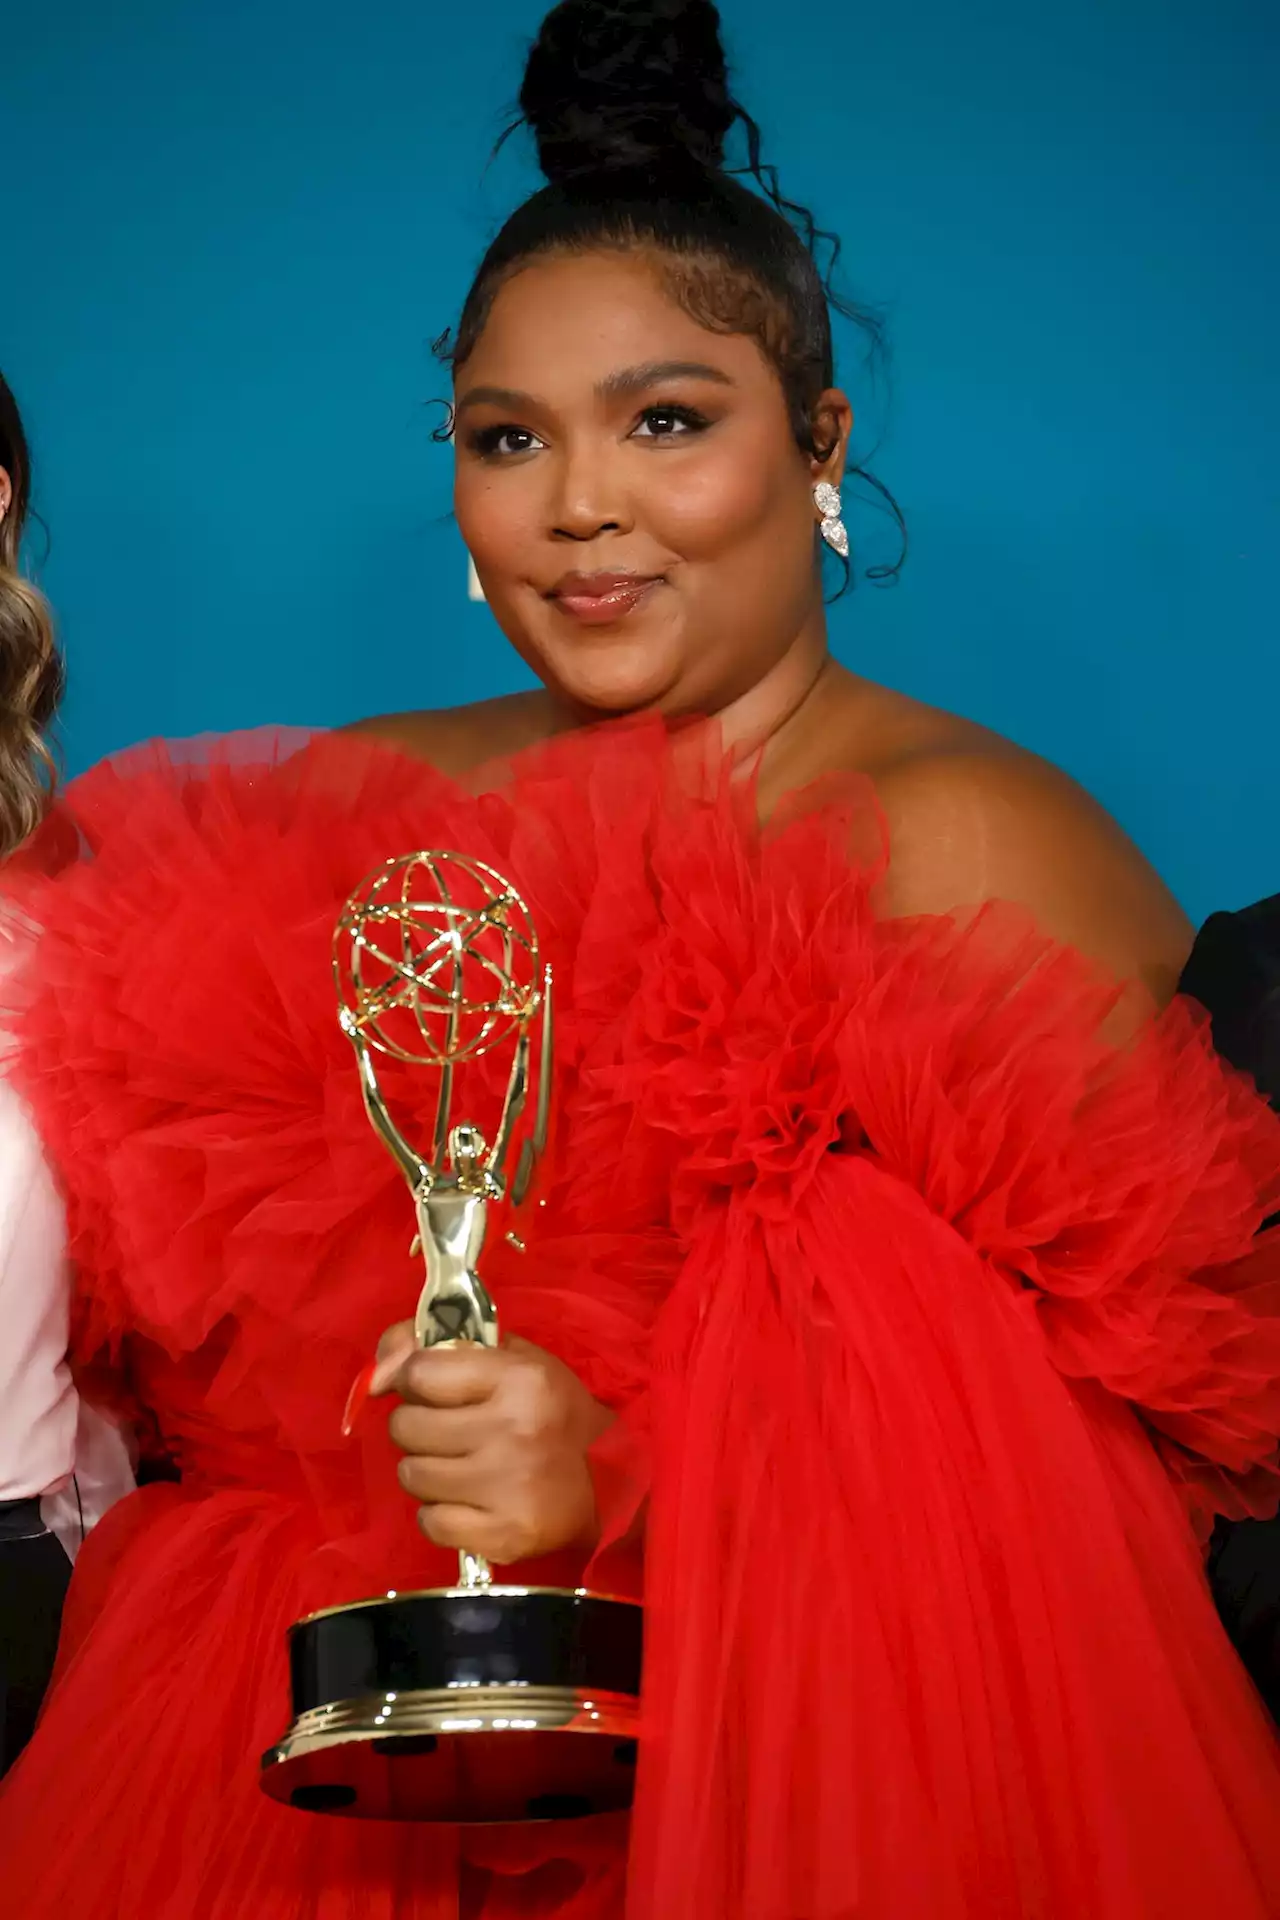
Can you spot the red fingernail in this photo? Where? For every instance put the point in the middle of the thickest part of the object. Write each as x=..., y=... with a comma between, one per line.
x=356, y=1398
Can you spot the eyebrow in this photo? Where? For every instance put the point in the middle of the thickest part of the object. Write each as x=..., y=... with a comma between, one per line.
x=654, y=373
x=622, y=385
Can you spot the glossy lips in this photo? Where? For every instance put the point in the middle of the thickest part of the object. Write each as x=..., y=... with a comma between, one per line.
x=595, y=599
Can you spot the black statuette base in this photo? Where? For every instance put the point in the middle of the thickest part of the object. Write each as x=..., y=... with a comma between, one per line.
x=463, y=1706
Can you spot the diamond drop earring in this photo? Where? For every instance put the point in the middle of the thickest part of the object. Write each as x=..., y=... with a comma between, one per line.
x=826, y=499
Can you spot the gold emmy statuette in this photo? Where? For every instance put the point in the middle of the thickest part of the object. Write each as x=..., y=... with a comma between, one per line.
x=480, y=1701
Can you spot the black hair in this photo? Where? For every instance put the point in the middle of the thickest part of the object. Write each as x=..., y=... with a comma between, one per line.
x=630, y=105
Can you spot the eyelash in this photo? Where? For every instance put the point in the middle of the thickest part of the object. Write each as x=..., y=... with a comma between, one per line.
x=487, y=441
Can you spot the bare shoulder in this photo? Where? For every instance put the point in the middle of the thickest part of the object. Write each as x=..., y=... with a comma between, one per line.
x=973, y=818
x=457, y=740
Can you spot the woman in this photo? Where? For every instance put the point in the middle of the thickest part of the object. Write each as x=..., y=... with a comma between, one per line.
x=896, y=1294
x=58, y=1468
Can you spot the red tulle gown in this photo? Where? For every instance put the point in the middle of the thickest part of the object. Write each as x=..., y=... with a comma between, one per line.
x=937, y=1329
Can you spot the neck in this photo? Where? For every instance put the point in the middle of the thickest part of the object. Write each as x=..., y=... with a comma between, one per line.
x=758, y=721
x=756, y=726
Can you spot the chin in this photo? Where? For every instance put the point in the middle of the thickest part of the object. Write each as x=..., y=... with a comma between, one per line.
x=612, y=687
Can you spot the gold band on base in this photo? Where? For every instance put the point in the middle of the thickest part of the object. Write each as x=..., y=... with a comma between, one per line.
x=460, y=1755
x=459, y=1710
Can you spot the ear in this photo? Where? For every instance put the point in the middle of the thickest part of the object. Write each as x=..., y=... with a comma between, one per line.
x=6, y=492
x=832, y=429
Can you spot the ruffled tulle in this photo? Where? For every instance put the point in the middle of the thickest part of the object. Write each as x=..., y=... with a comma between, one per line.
x=935, y=1326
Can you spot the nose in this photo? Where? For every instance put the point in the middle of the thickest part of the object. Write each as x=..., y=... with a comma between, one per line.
x=588, y=499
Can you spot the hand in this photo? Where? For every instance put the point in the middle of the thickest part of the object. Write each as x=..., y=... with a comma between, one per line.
x=495, y=1441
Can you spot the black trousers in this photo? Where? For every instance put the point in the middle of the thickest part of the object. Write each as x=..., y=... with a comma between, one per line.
x=34, y=1573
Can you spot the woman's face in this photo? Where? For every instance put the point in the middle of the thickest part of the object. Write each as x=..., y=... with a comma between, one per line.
x=628, y=484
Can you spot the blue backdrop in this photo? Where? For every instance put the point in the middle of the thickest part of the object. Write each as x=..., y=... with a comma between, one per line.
x=234, y=228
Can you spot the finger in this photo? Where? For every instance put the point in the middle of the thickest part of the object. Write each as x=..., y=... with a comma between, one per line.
x=443, y=1433
x=394, y=1348
x=465, y=1529
x=434, y=1482
x=461, y=1376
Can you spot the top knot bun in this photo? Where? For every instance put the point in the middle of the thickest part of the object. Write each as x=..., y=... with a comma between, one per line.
x=628, y=83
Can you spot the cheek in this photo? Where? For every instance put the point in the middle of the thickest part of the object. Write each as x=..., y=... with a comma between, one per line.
x=498, y=517
x=744, y=527
x=706, y=506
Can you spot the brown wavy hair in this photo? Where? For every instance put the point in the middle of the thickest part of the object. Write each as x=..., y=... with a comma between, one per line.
x=31, y=671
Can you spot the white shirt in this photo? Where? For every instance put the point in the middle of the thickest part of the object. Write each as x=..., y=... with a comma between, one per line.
x=51, y=1446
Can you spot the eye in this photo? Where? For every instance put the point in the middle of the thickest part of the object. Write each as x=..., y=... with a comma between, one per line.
x=503, y=443
x=669, y=423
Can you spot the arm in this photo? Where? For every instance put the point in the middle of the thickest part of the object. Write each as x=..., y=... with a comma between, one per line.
x=964, y=831
x=54, y=1449
x=61, y=1464
x=38, y=1405
x=37, y=1424
x=970, y=827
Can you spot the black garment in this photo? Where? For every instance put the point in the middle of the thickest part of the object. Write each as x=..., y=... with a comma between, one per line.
x=1234, y=972
x=34, y=1573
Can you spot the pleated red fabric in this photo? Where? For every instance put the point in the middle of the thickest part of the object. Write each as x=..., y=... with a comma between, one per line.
x=937, y=1328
